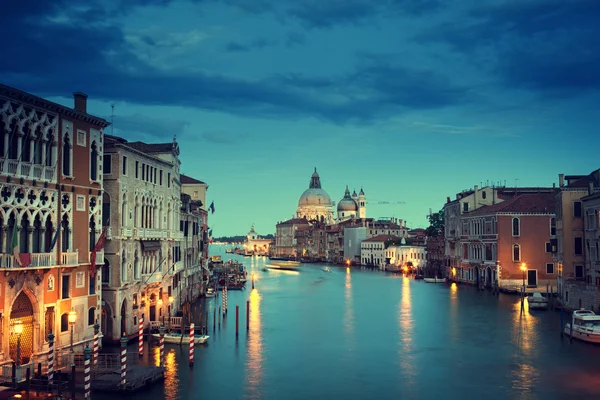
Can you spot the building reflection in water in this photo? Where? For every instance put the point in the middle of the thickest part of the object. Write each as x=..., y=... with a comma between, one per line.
x=348, y=312
x=171, y=382
x=454, y=318
x=524, y=336
x=254, y=358
x=405, y=322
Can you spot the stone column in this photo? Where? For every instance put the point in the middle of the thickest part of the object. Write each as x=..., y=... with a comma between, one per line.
x=42, y=239
x=31, y=153
x=43, y=153
x=29, y=239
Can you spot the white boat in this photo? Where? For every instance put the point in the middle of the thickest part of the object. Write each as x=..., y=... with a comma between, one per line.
x=326, y=269
x=586, y=326
x=434, y=280
x=537, y=302
x=210, y=292
x=175, y=338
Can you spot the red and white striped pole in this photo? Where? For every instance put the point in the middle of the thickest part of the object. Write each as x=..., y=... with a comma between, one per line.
x=123, y=360
x=87, y=391
x=51, y=358
x=96, y=331
x=141, y=337
x=162, y=346
x=192, y=345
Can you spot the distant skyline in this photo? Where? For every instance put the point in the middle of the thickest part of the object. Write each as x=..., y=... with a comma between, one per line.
x=414, y=100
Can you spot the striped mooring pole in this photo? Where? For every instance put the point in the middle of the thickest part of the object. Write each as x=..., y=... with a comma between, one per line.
x=162, y=346
x=192, y=345
x=224, y=299
x=96, y=347
x=87, y=391
x=141, y=337
x=123, y=360
x=50, y=358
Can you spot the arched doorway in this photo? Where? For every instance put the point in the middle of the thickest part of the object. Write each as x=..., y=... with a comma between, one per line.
x=22, y=310
x=124, y=318
x=476, y=277
x=107, y=322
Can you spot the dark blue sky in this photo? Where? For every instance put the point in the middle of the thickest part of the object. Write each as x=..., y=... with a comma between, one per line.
x=412, y=99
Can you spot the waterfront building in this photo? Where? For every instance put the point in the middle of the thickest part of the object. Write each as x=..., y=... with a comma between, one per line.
x=509, y=243
x=256, y=244
x=142, y=203
x=574, y=279
x=373, y=250
x=335, y=243
x=315, y=203
x=352, y=206
x=285, y=237
x=51, y=219
x=434, y=250
x=410, y=253
x=591, y=210
x=353, y=237
x=195, y=188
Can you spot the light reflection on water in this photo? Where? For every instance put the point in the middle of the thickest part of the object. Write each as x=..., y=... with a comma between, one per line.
x=254, y=359
x=171, y=383
x=454, y=336
x=525, y=375
x=348, y=308
x=405, y=321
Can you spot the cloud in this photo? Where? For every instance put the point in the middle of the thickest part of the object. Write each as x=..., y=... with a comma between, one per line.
x=150, y=127
x=463, y=130
x=257, y=44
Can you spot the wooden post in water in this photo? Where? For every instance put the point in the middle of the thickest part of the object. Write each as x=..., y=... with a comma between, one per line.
x=72, y=380
x=237, y=320
x=214, y=318
x=27, y=381
x=192, y=340
x=562, y=324
x=50, y=358
x=247, y=314
x=219, y=317
x=206, y=323
x=87, y=352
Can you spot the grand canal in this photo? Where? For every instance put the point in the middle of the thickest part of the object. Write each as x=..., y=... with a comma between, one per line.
x=357, y=334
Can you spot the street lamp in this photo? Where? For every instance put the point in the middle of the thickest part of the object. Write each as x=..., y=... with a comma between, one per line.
x=160, y=304
x=18, y=328
x=72, y=318
x=523, y=268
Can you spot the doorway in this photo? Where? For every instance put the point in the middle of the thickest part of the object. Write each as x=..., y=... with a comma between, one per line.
x=22, y=312
x=532, y=277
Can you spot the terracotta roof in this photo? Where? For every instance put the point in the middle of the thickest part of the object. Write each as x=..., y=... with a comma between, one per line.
x=186, y=179
x=294, y=221
x=152, y=147
x=540, y=203
x=381, y=238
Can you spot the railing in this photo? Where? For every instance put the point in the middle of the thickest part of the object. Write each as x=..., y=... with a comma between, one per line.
x=27, y=170
x=21, y=372
x=38, y=260
x=151, y=233
x=170, y=322
x=156, y=277
x=126, y=232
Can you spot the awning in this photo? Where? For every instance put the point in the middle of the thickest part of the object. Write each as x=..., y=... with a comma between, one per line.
x=150, y=245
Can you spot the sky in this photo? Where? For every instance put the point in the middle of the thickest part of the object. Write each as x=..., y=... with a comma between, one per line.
x=412, y=100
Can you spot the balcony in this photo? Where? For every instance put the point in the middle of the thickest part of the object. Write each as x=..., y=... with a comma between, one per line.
x=40, y=260
x=126, y=232
x=150, y=233
x=27, y=170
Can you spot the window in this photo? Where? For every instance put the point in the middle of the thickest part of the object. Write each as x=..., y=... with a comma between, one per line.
x=155, y=175
x=579, y=271
x=94, y=162
x=550, y=268
x=143, y=171
x=552, y=226
x=548, y=247
x=160, y=177
x=80, y=205
x=65, y=287
x=80, y=279
x=137, y=170
x=107, y=164
x=169, y=179
x=106, y=272
x=483, y=195
x=64, y=322
x=91, y=316
x=465, y=207
x=48, y=322
x=578, y=246
x=66, y=154
x=516, y=227
x=516, y=252
x=81, y=138
x=124, y=165
x=92, y=289
x=577, y=210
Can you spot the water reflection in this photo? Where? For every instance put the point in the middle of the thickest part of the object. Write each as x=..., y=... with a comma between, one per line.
x=405, y=322
x=254, y=359
x=171, y=382
x=454, y=317
x=524, y=331
x=348, y=310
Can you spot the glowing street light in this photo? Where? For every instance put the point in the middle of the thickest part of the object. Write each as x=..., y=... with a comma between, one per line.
x=18, y=329
x=72, y=318
x=523, y=268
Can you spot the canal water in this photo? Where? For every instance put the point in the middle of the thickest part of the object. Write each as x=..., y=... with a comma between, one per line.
x=360, y=334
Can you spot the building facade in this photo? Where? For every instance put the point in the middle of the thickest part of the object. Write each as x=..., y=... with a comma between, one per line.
x=256, y=244
x=315, y=203
x=286, y=244
x=51, y=191
x=373, y=250
x=410, y=253
x=142, y=252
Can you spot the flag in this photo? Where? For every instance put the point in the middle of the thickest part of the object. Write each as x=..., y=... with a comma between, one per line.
x=210, y=240
x=54, y=239
x=99, y=246
x=212, y=207
x=15, y=245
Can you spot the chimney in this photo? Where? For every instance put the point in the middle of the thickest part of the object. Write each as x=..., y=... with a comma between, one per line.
x=80, y=101
x=561, y=180
x=475, y=197
x=590, y=188
x=553, y=185
x=448, y=199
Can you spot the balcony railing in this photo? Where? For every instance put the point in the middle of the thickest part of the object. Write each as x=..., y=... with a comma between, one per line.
x=150, y=233
x=126, y=232
x=39, y=260
x=27, y=170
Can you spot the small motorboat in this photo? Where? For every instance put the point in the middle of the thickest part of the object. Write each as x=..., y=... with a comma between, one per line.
x=210, y=292
x=265, y=269
x=434, y=280
x=584, y=325
x=175, y=338
x=326, y=269
x=418, y=277
x=537, y=302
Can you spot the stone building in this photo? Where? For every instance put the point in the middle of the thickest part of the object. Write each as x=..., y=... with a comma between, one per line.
x=142, y=200
x=285, y=237
x=410, y=253
x=51, y=190
x=256, y=244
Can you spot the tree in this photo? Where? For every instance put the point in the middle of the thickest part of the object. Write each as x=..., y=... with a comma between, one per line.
x=436, y=224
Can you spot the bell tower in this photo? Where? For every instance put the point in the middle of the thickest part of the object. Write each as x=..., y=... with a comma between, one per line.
x=362, y=204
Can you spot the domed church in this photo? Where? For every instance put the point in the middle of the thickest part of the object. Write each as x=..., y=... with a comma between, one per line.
x=354, y=206
x=315, y=203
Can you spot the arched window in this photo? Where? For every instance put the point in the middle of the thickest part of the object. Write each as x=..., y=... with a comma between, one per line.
x=25, y=148
x=36, y=239
x=136, y=266
x=65, y=233
x=92, y=234
x=124, y=211
x=94, y=162
x=92, y=316
x=49, y=234
x=64, y=322
x=106, y=272
x=516, y=227
x=38, y=145
x=24, y=239
x=516, y=252
x=123, y=268
x=66, y=154
x=49, y=149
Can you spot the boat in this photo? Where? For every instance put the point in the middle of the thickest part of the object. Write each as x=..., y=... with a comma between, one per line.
x=210, y=292
x=419, y=277
x=537, y=302
x=283, y=268
x=229, y=251
x=175, y=338
x=586, y=326
x=434, y=280
x=265, y=269
x=327, y=269
x=286, y=263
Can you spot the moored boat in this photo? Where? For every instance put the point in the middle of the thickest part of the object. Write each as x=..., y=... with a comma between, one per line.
x=175, y=338
x=584, y=325
x=537, y=302
x=434, y=280
x=210, y=292
x=326, y=269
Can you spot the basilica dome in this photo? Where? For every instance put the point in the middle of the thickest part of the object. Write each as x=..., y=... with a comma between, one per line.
x=314, y=195
x=347, y=203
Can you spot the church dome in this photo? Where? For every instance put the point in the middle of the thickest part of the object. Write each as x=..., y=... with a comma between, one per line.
x=314, y=195
x=347, y=203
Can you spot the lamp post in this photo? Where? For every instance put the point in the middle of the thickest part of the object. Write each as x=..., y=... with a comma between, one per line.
x=72, y=318
x=171, y=299
x=523, y=268
x=160, y=305
x=18, y=328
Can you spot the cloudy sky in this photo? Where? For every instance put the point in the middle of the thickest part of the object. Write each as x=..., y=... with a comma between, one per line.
x=414, y=100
